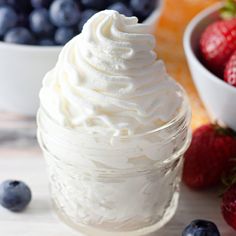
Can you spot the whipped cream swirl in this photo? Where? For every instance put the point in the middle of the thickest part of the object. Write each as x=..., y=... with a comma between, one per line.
x=108, y=80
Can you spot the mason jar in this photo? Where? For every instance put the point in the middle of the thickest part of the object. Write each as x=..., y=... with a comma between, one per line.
x=119, y=185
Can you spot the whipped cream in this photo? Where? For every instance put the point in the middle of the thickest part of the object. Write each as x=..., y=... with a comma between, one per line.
x=109, y=170
x=108, y=80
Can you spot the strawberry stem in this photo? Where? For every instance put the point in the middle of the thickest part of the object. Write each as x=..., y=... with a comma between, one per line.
x=229, y=10
x=224, y=131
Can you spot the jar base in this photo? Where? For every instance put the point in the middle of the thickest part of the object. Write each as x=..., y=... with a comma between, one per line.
x=93, y=231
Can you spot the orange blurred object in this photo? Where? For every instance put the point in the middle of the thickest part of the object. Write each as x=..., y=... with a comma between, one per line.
x=169, y=33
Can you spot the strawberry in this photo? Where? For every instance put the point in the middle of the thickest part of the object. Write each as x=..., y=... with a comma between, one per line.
x=217, y=43
x=228, y=206
x=230, y=70
x=208, y=156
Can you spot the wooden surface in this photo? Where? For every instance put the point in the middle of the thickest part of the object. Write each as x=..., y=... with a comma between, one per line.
x=20, y=157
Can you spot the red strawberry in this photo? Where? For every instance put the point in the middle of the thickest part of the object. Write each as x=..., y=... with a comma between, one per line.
x=217, y=44
x=208, y=156
x=228, y=206
x=230, y=70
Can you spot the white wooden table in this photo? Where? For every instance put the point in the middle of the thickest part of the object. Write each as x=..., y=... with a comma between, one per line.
x=20, y=158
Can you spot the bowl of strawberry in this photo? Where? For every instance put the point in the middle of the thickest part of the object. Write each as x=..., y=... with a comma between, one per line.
x=210, y=48
x=32, y=33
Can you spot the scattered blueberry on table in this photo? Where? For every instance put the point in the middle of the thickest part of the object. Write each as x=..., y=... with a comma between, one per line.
x=54, y=22
x=15, y=195
x=201, y=228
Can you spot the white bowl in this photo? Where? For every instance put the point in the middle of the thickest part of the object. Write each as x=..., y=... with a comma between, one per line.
x=218, y=97
x=22, y=69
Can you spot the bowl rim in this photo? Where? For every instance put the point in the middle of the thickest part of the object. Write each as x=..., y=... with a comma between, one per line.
x=189, y=51
x=150, y=20
x=29, y=48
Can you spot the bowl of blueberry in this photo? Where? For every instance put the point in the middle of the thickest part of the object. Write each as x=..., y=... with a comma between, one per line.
x=32, y=33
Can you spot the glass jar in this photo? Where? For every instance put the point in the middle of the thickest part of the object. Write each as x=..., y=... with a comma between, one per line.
x=124, y=185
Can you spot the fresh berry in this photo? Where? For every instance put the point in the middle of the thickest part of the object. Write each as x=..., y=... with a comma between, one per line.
x=8, y=19
x=121, y=8
x=84, y=18
x=40, y=22
x=46, y=42
x=201, y=228
x=230, y=70
x=64, y=13
x=143, y=8
x=95, y=4
x=14, y=195
x=217, y=44
x=63, y=35
x=41, y=3
x=3, y=2
x=19, y=35
x=228, y=206
x=208, y=156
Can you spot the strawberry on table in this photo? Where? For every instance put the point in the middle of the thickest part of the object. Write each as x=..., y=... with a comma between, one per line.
x=228, y=206
x=230, y=70
x=208, y=156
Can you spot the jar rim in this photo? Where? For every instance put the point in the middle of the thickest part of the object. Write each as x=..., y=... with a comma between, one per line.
x=185, y=110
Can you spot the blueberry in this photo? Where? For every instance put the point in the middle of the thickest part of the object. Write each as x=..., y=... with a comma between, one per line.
x=143, y=8
x=84, y=18
x=63, y=35
x=46, y=42
x=201, y=228
x=40, y=22
x=8, y=19
x=3, y=2
x=64, y=13
x=121, y=8
x=21, y=6
x=14, y=195
x=95, y=4
x=41, y=3
x=19, y=35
